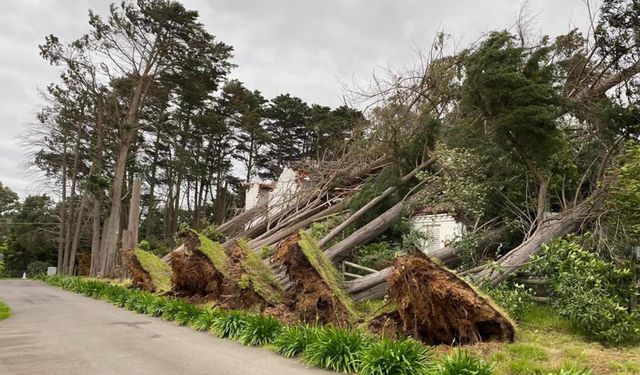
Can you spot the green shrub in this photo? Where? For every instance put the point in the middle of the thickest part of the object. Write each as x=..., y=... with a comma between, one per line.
x=591, y=293
x=205, y=320
x=402, y=357
x=37, y=268
x=156, y=307
x=187, y=314
x=461, y=363
x=335, y=349
x=376, y=255
x=293, y=340
x=260, y=330
x=515, y=298
x=231, y=324
x=5, y=311
x=172, y=307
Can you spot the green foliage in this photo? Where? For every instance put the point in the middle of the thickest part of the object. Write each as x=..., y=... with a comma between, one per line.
x=514, y=298
x=37, y=268
x=231, y=324
x=319, y=229
x=260, y=330
x=159, y=271
x=33, y=236
x=377, y=255
x=511, y=89
x=212, y=234
x=187, y=314
x=5, y=311
x=263, y=281
x=205, y=320
x=335, y=349
x=173, y=307
x=373, y=187
x=462, y=363
x=293, y=340
x=144, y=245
x=213, y=251
x=324, y=267
x=591, y=293
x=401, y=357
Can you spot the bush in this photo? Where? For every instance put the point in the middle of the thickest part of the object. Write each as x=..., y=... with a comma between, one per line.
x=173, y=307
x=293, y=340
x=37, y=268
x=515, y=299
x=377, y=255
x=402, y=357
x=573, y=371
x=205, y=320
x=260, y=330
x=335, y=349
x=461, y=363
x=591, y=293
x=156, y=308
x=231, y=324
x=187, y=314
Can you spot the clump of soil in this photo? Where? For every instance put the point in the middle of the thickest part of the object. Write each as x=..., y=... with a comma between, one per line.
x=387, y=324
x=310, y=299
x=437, y=307
x=193, y=273
x=140, y=278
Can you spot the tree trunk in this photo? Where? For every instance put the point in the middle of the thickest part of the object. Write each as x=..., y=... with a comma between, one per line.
x=364, y=209
x=343, y=249
x=553, y=227
x=95, y=238
x=112, y=228
x=77, y=231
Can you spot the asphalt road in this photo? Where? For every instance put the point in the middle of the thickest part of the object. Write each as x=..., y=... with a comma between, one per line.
x=53, y=332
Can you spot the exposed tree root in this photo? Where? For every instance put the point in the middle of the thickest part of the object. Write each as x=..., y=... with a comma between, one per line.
x=311, y=299
x=437, y=307
x=140, y=278
x=193, y=272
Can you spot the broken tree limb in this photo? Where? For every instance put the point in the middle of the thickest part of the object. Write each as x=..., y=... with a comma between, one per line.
x=342, y=249
x=364, y=209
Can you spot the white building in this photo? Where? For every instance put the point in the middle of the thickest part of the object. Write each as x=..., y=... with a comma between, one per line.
x=278, y=195
x=440, y=229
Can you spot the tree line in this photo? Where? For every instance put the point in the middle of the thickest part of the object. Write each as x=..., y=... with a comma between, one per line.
x=145, y=94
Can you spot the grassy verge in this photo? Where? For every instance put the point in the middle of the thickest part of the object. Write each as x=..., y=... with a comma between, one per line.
x=5, y=311
x=350, y=351
x=545, y=344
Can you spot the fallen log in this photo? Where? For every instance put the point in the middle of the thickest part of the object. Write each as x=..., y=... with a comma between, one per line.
x=556, y=226
x=364, y=209
x=371, y=230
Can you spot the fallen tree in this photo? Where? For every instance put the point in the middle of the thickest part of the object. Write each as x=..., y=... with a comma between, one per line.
x=148, y=272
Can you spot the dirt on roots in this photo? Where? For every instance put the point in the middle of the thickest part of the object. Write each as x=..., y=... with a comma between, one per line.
x=437, y=307
x=237, y=291
x=193, y=273
x=139, y=277
x=310, y=299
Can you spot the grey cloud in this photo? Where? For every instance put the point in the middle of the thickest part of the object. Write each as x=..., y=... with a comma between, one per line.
x=301, y=47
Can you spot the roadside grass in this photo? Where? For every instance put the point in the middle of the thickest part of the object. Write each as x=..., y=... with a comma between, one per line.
x=5, y=311
x=546, y=344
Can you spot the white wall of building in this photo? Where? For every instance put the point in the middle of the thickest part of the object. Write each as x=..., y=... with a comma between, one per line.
x=441, y=229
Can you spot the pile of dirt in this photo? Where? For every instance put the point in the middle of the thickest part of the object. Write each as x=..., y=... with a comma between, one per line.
x=437, y=307
x=140, y=278
x=194, y=275
x=310, y=299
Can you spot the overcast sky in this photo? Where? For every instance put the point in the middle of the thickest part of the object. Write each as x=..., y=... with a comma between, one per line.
x=305, y=48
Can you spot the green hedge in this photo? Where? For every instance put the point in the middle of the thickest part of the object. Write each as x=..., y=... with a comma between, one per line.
x=328, y=347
